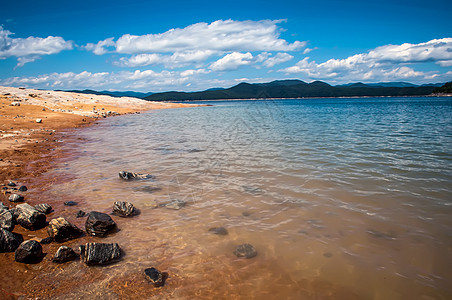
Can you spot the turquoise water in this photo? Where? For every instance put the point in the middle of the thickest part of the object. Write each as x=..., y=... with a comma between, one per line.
x=342, y=198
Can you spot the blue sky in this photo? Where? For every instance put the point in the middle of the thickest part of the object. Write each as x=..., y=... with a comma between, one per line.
x=194, y=45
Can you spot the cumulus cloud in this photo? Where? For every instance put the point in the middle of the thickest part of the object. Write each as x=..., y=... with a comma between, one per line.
x=232, y=61
x=100, y=47
x=178, y=59
x=147, y=80
x=221, y=35
x=382, y=63
x=31, y=48
x=277, y=59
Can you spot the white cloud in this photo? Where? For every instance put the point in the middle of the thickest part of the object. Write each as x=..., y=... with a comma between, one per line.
x=277, y=59
x=232, y=61
x=221, y=35
x=147, y=80
x=307, y=50
x=31, y=48
x=381, y=63
x=100, y=47
x=178, y=59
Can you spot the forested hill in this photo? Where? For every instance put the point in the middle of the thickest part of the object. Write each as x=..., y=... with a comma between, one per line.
x=295, y=89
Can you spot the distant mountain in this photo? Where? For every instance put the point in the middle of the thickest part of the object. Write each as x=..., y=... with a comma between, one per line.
x=297, y=89
x=114, y=93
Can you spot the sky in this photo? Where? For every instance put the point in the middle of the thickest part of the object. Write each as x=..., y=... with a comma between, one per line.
x=156, y=46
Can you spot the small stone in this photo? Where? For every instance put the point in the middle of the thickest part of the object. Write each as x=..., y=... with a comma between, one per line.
x=123, y=209
x=23, y=188
x=9, y=241
x=80, y=214
x=6, y=220
x=38, y=120
x=245, y=250
x=3, y=207
x=61, y=230
x=44, y=208
x=12, y=184
x=46, y=240
x=29, y=218
x=16, y=198
x=219, y=230
x=99, y=253
x=99, y=224
x=131, y=176
x=28, y=252
x=70, y=203
x=154, y=276
x=64, y=254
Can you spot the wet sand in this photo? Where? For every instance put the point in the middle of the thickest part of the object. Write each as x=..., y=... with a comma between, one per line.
x=28, y=149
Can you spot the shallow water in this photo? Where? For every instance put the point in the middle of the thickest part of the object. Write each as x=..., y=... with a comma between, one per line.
x=342, y=198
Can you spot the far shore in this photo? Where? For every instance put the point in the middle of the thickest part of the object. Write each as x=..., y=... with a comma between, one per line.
x=307, y=98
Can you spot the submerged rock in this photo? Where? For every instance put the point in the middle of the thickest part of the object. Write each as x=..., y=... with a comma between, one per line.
x=28, y=252
x=64, y=254
x=124, y=209
x=99, y=224
x=23, y=188
x=154, y=276
x=70, y=203
x=29, y=218
x=245, y=250
x=80, y=214
x=132, y=176
x=219, y=230
x=99, y=253
x=61, y=230
x=12, y=184
x=16, y=198
x=175, y=204
x=9, y=241
x=44, y=208
x=6, y=220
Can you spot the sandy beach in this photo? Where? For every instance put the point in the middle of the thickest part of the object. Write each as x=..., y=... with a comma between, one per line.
x=33, y=126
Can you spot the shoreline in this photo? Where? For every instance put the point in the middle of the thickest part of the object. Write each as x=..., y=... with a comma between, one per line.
x=28, y=149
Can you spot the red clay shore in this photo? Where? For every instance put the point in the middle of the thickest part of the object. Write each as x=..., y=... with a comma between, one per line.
x=34, y=125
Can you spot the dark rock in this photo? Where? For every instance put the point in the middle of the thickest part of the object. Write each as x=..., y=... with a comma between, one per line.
x=12, y=184
x=23, y=188
x=61, y=230
x=6, y=220
x=9, y=241
x=28, y=217
x=176, y=204
x=16, y=198
x=99, y=224
x=64, y=254
x=99, y=253
x=28, y=252
x=80, y=214
x=123, y=209
x=245, y=250
x=154, y=276
x=46, y=240
x=219, y=230
x=132, y=176
x=70, y=203
x=44, y=208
